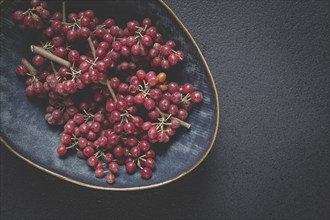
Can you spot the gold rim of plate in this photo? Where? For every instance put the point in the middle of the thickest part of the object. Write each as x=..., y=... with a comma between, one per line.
x=156, y=184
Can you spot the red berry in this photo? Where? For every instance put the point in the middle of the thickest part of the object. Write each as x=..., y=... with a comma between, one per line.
x=150, y=163
x=131, y=141
x=99, y=166
x=99, y=117
x=118, y=151
x=150, y=154
x=146, y=40
x=153, y=52
x=173, y=59
x=121, y=105
x=82, y=142
x=146, y=173
x=38, y=60
x=95, y=126
x=182, y=114
x=170, y=44
x=196, y=96
x=89, y=13
x=152, y=132
x=57, y=114
x=113, y=139
x=108, y=157
x=155, y=94
x=158, y=37
x=66, y=139
x=153, y=115
x=113, y=167
x=172, y=109
x=165, y=64
x=135, y=152
x=180, y=54
x=151, y=31
x=164, y=104
x=100, y=52
x=99, y=173
x=130, y=167
x=176, y=97
x=110, y=178
x=125, y=51
x=165, y=50
x=138, y=121
x=129, y=128
x=115, y=116
x=61, y=150
x=71, y=35
x=35, y=2
x=18, y=15
x=73, y=56
x=84, y=32
x=136, y=49
x=146, y=22
x=149, y=104
x=144, y=145
x=156, y=62
x=88, y=151
x=175, y=123
x=173, y=87
x=21, y=70
x=92, y=161
x=28, y=20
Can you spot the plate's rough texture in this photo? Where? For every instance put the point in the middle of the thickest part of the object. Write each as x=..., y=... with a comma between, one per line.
x=22, y=120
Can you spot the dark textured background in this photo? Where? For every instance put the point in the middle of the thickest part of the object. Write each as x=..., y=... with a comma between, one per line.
x=270, y=61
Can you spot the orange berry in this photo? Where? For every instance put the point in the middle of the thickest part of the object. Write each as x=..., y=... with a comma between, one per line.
x=163, y=87
x=161, y=77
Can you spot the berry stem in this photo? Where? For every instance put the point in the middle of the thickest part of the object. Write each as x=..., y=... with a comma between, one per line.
x=113, y=95
x=72, y=146
x=63, y=11
x=182, y=123
x=53, y=67
x=91, y=45
x=33, y=71
x=41, y=51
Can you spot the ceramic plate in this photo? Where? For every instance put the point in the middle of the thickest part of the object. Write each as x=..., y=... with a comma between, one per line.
x=24, y=131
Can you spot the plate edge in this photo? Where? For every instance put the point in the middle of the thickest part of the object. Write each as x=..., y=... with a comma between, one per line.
x=6, y=144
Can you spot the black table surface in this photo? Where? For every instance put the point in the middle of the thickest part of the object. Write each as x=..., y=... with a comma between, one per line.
x=270, y=62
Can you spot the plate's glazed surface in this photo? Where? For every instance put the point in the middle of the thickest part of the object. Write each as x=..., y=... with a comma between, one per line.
x=24, y=131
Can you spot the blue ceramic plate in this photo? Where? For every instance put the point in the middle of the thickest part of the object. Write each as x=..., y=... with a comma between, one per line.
x=24, y=131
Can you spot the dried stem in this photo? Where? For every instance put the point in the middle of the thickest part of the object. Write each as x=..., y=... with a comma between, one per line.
x=41, y=51
x=53, y=67
x=113, y=95
x=182, y=123
x=63, y=11
x=91, y=45
x=28, y=65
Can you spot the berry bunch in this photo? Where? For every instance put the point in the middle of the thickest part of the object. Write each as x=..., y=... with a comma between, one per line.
x=101, y=84
x=34, y=17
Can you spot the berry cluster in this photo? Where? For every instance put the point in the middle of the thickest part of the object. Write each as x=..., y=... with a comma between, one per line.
x=101, y=85
x=34, y=17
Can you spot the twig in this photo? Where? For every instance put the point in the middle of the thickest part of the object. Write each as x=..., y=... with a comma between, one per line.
x=63, y=12
x=91, y=45
x=41, y=51
x=53, y=67
x=113, y=95
x=182, y=123
x=28, y=65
